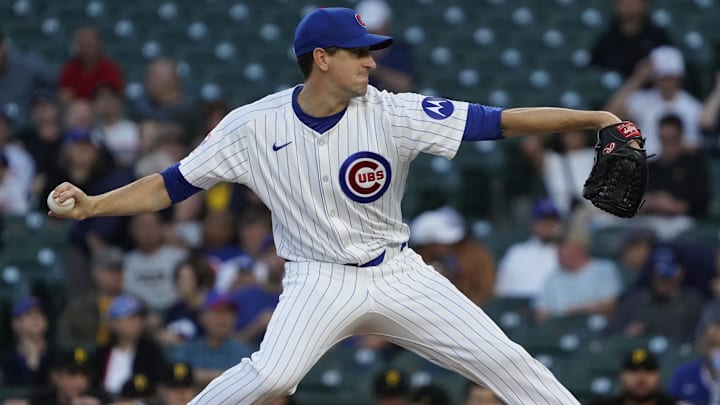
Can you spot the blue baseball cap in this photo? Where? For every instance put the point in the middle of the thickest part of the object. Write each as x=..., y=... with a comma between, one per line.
x=77, y=135
x=545, y=209
x=123, y=306
x=664, y=262
x=335, y=26
x=24, y=305
x=217, y=300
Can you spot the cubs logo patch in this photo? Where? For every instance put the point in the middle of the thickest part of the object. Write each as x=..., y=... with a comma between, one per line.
x=365, y=176
x=609, y=149
x=437, y=108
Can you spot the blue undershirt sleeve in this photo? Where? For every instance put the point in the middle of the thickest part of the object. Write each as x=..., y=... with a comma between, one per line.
x=177, y=187
x=483, y=123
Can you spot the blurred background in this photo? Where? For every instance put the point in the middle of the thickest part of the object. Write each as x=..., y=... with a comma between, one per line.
x=151, y=308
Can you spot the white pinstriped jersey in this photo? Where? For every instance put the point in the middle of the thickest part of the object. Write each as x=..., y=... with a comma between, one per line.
x=335, y=197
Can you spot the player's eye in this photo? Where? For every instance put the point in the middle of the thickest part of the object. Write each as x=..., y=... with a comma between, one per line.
x=360, y=52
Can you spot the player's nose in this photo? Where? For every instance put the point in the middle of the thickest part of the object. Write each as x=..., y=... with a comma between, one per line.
x=370, y=62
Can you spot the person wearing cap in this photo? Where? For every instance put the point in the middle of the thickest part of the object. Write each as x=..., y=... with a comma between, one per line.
x=216, y=351
x=665, y=67
x=391, y=387
x=87, y=67
x=640, y=382
x=523, y=269
x=331, y=158
x=71, y=377
x=130, y=351
x=84, y=318
x=480, y=395
x=395, y=70
x=665, y=308
x=176, y=387
x=441, y=238
x=581, y=284
x=26, y=363
x=630, y=37
x=23, y=72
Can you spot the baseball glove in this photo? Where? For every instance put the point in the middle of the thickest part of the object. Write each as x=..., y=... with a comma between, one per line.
x=617, y=181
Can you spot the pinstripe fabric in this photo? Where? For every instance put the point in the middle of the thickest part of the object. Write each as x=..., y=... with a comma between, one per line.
x=313, y=218
x=404, y=300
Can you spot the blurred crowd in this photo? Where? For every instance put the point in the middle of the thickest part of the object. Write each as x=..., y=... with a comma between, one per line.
x=157, y=305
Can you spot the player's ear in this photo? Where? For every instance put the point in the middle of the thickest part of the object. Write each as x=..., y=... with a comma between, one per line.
x=320, y=56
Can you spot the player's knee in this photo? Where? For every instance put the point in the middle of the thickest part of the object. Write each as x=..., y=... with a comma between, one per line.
x=277, y=382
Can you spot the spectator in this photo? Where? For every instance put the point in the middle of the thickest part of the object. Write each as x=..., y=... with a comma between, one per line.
x=696, y=381
x=193, y=279
x=84, y=318
x=83, y=161
x=666, y=308
x=149, y=268
x=634, y=254
x=21, y=74
x=581, y=284
x=698, y=261
x=165, y=101
x=79, y=114
x=12, y=199
x=710, y=117
x=26, y=364
x=256, y=303
x=43, y=138
x=220, y=240
x=71, y=376
x=216, y=351
x=130, y=352
x=630, y=38
x=395, y=69
x=561, y=169
x=391, y=388
x=137, y=390
x=639, y=382
x=118, y=134
x=480, y=395
x=176, y=386
x=20, y=164
x=429, y=395
x=679, y=184
x=441, y=238
x=711, y=310
x=255, y=228
x=88, y=68
x=646, y=106
x=526, y=265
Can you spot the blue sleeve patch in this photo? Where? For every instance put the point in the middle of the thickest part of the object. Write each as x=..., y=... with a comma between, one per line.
x=177, y=187
x=483, y=123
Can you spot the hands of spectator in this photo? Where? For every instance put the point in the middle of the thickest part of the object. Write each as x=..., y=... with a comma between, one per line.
x=664, y=203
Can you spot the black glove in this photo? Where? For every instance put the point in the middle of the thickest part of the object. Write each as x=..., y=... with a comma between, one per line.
x=619, y=175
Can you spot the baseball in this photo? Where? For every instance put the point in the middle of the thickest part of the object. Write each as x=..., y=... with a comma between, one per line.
x=58, y=208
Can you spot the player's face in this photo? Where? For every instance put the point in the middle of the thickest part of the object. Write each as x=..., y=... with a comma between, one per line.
x=350, y=70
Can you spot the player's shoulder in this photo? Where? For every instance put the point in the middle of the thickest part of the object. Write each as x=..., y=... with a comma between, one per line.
x=269, y=104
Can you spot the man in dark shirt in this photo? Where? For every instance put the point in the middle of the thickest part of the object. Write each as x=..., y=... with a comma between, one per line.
x=679, y=183
x=639, y=382
x=629, y=39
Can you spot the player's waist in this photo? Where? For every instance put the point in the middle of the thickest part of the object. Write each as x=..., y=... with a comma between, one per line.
x=387, y=253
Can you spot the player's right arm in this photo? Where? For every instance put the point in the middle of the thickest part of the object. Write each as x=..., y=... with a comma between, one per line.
x=147, y=194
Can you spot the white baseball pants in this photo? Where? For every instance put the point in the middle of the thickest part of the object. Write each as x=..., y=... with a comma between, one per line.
x=405, y=301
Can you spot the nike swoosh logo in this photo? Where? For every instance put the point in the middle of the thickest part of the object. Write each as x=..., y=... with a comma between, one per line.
x=277, y=148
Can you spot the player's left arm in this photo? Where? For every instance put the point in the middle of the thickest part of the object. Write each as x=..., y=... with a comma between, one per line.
x=546, y=120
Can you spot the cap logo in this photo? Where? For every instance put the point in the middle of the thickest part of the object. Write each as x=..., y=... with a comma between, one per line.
x=80, y=355
x=639, y=356
x=180, y=371
x=359, y=20
x=392, y=378
x=140, y=382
